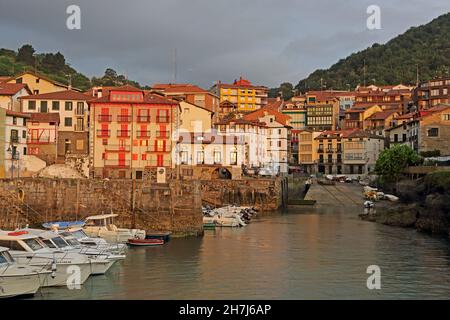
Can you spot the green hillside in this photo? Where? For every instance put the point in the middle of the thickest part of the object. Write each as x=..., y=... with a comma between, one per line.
x=426, y=46
x=55, y=67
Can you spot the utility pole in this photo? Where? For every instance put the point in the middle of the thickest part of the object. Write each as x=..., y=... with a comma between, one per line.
x=175, y=66
x=364, y=72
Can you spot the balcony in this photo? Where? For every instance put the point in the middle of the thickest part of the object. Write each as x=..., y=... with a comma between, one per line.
x=123, y=118
x=154, y=163
x=79, y=128
x=320, y=150
x=116, y=163
x=14, y=139
x=103, y=133
x=40, y=140
x=123, y=133
x=162, y=134
x=104, y=118
x=143, y=134
x=162, y=119
x=117, y=148
x=163, y=148
x=143, y=119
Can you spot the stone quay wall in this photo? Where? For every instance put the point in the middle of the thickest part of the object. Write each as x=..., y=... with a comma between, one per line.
x=174, y=206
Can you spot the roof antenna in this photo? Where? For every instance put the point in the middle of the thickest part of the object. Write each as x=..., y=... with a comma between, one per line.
x=175, y=66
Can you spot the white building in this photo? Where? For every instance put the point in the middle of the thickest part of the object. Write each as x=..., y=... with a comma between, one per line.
x=13, y=135
x=252, y=133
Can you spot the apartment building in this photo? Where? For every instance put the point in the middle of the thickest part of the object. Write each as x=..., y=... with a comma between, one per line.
x=37, y=83
x=434, y=130
x=355, y=118
x=10, y=94
x=379, y=121
x=194, y=118
x=131, y=133
x=404, y=132
x=397, y=98
x=13, y=142
x=278, y=136
x=253, y=133
x=43, y=136
x=243, y=93
x=208, y=155
x=431, y=93
x=307, y=150
x=351, y=152
x=73, y=109
x=190, y=93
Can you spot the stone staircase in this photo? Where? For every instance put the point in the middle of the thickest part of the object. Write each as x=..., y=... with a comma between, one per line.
x=14, y=213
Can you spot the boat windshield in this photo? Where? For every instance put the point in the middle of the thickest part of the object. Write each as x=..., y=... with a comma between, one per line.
x=72, y=241
x=59, y=242
x=33, y=244
x=5, y=256
x=48, y=243
x=79, y=234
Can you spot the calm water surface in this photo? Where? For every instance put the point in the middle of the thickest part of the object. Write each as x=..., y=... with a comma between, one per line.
x=320, y=254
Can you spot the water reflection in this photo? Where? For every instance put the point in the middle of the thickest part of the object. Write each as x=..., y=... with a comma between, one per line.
x=307, y=254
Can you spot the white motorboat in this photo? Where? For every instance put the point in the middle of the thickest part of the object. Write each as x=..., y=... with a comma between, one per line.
x=30, y=250
x=232, y=220
x=97, y=243
x=100, y=261
x=103, y=226
x=17, y=279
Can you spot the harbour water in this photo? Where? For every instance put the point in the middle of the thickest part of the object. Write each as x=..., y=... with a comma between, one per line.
x=303, y=254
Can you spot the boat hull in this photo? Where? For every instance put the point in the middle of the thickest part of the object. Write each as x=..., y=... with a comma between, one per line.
x=62, y=275
x=99, y=268
x=12, y=286
x=145, y=242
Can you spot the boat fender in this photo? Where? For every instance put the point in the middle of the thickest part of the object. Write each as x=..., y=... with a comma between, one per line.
x=53, y=268
x=21, y=195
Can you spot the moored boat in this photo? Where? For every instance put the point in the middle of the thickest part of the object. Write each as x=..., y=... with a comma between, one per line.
x=18, y=279
x=145, y=242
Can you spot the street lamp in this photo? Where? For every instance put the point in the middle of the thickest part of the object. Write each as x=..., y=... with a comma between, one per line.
x=14, y=156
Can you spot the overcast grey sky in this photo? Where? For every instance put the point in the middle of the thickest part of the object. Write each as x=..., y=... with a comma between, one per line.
x=266, y=41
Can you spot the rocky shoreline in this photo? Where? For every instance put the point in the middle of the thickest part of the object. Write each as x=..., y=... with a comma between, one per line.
x=424, y=204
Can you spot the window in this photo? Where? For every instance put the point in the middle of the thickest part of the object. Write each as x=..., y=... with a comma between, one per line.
x=24, y=134
x=433, y=132
x=67, y=122
x=200, y=157
x=35, y=92
x=446, y=117
x=14, y=121
x=68, y=106
x=44, y=107
x=233, y=158
x=184, y=157
x=31, y=105
x=55, y=105
x=217, y=157
x=14, y=135
x=80, y=108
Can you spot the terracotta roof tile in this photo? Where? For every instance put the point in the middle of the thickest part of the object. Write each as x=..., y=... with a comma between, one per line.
x=10, y=89
x=59, y=95
x=45, y=117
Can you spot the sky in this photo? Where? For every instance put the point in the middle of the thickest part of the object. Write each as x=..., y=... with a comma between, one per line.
x=265, y=41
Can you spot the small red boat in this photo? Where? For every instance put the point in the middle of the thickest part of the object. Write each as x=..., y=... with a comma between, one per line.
x=145, y=242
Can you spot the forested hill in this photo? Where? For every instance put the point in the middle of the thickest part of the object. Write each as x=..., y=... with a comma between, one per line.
x=426, y=46
x=55, y=67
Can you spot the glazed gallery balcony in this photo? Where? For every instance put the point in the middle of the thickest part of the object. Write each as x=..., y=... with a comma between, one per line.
x=103, y=133
x=104, y=118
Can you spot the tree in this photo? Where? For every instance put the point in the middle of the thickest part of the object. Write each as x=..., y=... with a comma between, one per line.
x=393, y=161
x=26, y=54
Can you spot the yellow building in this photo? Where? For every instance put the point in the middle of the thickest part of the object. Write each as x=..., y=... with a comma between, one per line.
x=194, y=118
x=10, y=94
x=246, y=96
x=307, y=150
x=37, y=83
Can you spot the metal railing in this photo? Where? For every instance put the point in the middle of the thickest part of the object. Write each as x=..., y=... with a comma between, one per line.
x=104, y=118
x=103, y=133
